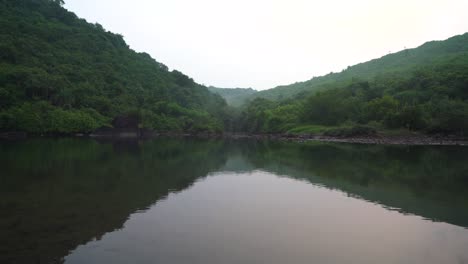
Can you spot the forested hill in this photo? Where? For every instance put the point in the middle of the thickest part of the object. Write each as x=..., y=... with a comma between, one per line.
x=400, y=63
x=423, y=90
x=234, y=96
x=60, y=74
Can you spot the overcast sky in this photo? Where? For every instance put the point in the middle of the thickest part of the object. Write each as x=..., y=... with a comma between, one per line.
x=262, y=44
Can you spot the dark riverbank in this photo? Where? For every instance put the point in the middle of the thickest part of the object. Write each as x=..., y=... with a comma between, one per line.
x=396, y=140
x=374, y=139
x=378, y=139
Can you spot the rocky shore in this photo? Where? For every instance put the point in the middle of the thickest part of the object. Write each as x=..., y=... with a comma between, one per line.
x=373, y=139
x=416, y=139
x=386, y=140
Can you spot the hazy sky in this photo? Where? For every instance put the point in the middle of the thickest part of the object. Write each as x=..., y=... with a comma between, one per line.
x=262, y=44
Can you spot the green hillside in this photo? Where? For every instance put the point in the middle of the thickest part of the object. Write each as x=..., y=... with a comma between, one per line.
x=60, y=74
x=400, y=63
x=235, y=97
x=423, y=89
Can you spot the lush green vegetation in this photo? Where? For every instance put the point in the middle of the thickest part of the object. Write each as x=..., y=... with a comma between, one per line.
x=401, y=63
x=60, y=74
x=429, y=93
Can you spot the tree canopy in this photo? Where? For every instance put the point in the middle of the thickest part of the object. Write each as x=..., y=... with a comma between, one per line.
x=423, y=89
x=60, y=74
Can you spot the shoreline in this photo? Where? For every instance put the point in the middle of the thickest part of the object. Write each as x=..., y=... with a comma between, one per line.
x=379, y=139
x=414, y=140
x=406, y=141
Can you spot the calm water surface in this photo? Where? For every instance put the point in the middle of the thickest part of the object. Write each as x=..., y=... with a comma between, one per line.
x=215, y=201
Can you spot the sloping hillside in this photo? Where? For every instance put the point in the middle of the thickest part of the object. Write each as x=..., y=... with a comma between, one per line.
x=60, y=74
x=397, y=63
x=423, y=89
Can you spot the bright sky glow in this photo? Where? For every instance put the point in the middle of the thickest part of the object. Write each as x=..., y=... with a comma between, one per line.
x=262, y=44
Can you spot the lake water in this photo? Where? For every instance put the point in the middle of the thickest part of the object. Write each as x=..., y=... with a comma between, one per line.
x=231, y=201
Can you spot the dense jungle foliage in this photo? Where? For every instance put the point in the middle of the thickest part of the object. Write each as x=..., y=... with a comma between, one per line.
x=60, y=74
x=423, y=89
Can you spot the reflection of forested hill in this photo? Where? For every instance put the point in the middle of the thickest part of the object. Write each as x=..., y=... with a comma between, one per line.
x=58, y=194
x=426, y=181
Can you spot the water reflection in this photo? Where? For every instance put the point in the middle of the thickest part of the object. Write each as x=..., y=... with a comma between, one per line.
x=59, y=194
x=426, y=181
x=258, y=217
